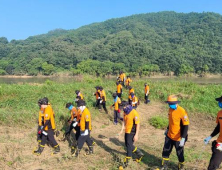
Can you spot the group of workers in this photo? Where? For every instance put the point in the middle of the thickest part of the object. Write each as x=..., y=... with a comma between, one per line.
x=80, y=120
x=176, y=133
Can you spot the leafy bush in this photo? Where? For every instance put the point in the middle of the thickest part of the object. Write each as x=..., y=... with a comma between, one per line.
x=2, y=72
x=159, y=122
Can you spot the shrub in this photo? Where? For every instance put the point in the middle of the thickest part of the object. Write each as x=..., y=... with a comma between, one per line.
x=159, y=122
x=2, y=72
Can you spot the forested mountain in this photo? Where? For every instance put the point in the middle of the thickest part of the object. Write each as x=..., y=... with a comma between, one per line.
x=145, y=43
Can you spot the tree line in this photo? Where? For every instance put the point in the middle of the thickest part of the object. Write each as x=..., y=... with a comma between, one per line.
x=143, y=44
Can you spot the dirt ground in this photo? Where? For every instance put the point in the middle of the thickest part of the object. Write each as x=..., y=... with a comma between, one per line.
x=17, y=144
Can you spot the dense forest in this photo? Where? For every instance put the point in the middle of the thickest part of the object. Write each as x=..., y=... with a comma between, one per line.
x=143, y=44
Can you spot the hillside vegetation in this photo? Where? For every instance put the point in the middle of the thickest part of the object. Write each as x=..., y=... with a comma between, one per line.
x=142, y=44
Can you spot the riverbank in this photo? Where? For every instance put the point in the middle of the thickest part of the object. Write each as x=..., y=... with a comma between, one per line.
x=211, y=79
x=158, y=76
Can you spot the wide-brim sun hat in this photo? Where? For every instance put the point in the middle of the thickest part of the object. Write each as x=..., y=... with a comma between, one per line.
x=172, y=99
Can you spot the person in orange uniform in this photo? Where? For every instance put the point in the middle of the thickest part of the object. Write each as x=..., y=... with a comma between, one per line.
x=40, y=121
x=103, y=98
x=176, y=133
x=216, y=157
x=98, y=98
x=79, y=95
x=47, y=131
x=131, y=90
x=147, y=91
x=85, y=128
x=73, y=120
x=131, y=125
x=122, y=77
x=128, y=81
x=119, y=89
x=117, y=102
x=133, y=100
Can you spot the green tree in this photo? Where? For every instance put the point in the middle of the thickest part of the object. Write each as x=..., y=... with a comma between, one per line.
x=47, y=68
x=2, y=72
x=184, y=69
x=4, y=64
x=3, y=40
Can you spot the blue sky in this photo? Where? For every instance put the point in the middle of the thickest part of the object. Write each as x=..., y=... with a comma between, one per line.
x=20, y=19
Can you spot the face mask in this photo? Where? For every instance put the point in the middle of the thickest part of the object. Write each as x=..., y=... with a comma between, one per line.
x=115, y=99
x=220, y=104
x=70, y=107
x=173, y=106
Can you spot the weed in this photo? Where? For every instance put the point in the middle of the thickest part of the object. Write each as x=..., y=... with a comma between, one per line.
x=103, y=126
x=159, y=122
x=9, y=163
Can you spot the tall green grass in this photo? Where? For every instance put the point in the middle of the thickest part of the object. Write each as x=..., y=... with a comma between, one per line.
x=18, y=102
x=159, y=122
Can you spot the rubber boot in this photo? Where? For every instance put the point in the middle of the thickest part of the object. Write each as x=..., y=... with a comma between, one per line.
x=39, y=150
x=56, y=149
x=126, y=161
x=165, y=162
x=181, y=166
x=39, y=142
x=77, y=152
x=90, y=150
x=73, y=150
x=139, y=155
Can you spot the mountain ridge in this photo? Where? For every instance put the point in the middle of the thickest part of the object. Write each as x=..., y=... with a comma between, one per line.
x=142, y=43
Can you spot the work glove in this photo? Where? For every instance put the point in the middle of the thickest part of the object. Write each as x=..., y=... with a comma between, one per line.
x=84, y=133
x=182, y=142
x=207, y=140
x=166, y=131
x=74, y=124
